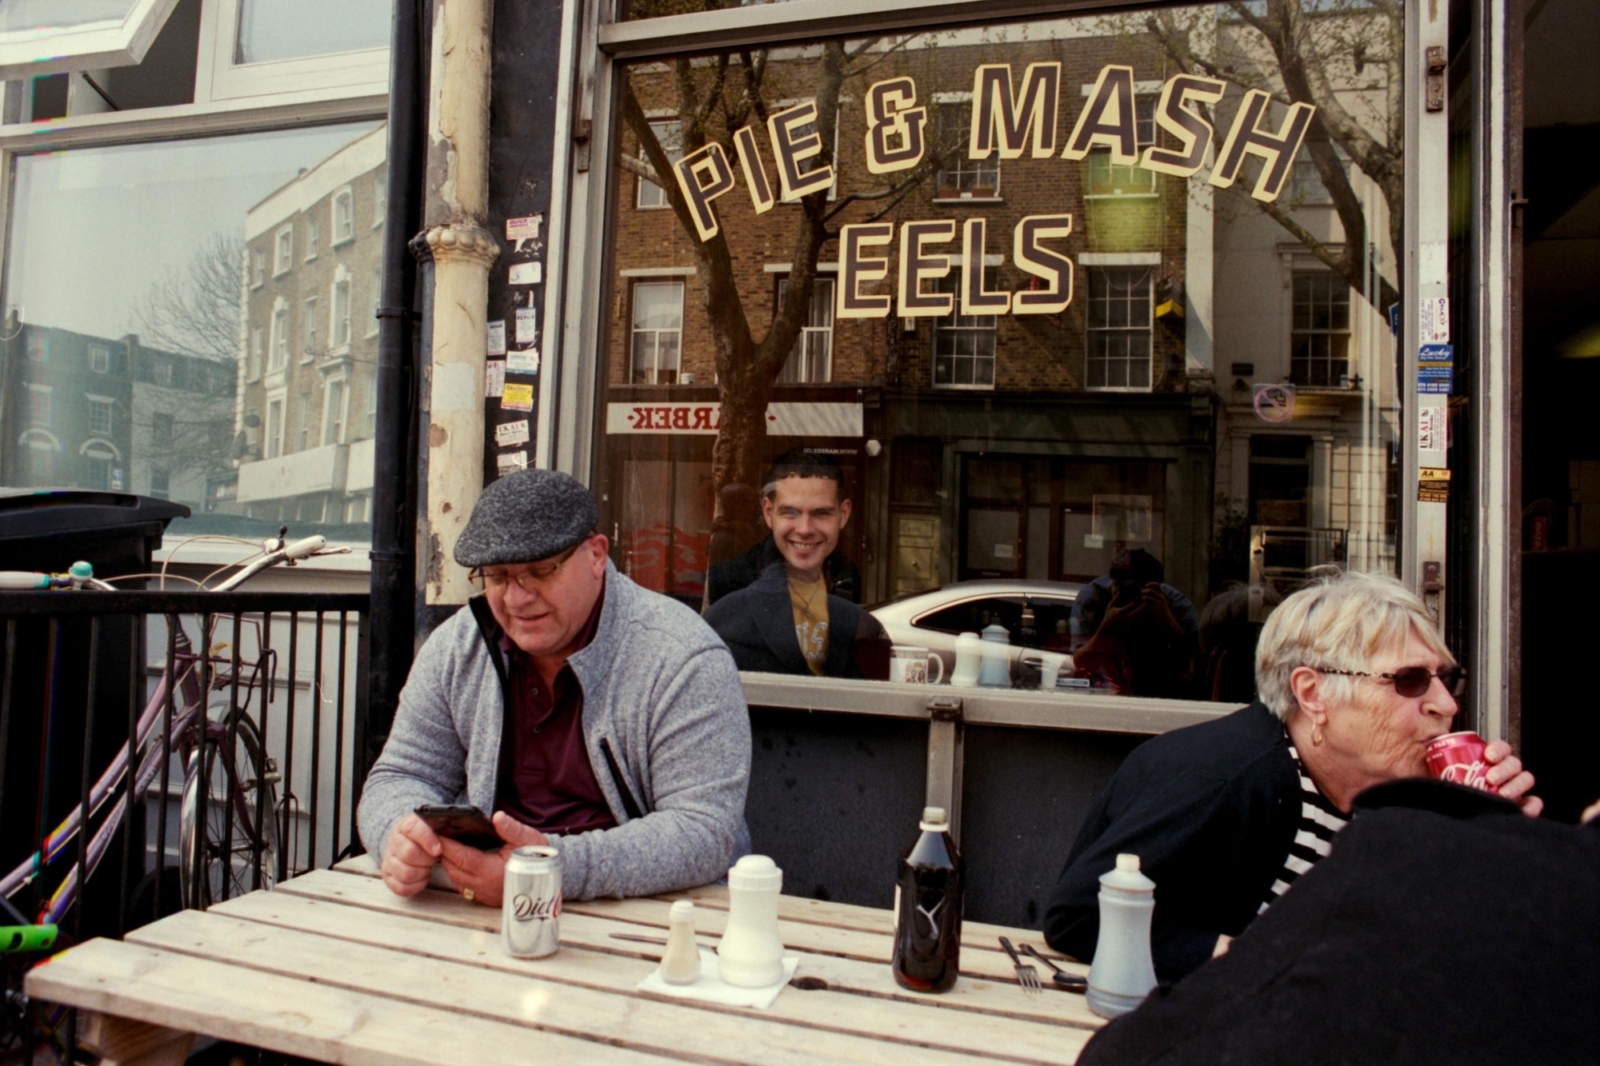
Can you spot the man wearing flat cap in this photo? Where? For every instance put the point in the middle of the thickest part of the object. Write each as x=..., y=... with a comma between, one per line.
x=583, y=711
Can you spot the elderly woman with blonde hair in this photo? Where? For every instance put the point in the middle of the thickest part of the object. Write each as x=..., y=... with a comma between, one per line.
x=1353, y=681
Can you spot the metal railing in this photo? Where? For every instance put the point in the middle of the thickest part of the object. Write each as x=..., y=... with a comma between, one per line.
x=245, y=713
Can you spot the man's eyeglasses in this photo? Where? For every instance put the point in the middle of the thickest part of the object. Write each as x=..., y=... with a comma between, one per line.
x=533, y=578
x=1413, y=681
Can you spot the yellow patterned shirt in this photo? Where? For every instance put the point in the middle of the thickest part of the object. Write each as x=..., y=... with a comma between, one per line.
x=810, y=603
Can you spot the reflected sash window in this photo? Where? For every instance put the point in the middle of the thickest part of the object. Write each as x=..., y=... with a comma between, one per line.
x=39, y=406
x=963, y=345
x=99, y=359
x=960, y=177
x=810, y=362
x=670, y=136
x=101, y=419
x=344, y=227
x=1320, y=350
x=657, y=332
x=333, y=411
x=1119, y=328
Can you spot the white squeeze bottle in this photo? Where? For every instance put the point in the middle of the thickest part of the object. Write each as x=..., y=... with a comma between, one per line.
x=1123, y=973
x=680, y=964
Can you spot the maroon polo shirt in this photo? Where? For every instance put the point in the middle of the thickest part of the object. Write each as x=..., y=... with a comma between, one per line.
x=545, y=778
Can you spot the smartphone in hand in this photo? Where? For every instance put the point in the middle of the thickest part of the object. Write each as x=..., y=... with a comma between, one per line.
x=461, y=822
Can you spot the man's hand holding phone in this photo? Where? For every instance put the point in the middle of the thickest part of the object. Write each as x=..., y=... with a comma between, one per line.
x=420, y=840
x=480, y=876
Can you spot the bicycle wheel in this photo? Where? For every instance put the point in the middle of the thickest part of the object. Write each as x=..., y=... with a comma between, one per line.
x=237, y=837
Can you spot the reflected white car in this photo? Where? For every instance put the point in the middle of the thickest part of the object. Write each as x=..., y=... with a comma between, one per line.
x=934, y=619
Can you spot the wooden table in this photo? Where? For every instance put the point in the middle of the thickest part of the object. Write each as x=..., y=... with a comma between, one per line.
x=332, y=966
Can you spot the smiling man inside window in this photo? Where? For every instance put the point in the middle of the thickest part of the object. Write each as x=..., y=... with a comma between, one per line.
x=789, y=619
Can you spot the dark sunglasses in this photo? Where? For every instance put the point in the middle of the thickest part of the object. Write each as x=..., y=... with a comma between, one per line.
x=1413, y=681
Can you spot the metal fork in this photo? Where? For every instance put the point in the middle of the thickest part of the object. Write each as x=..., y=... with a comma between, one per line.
x=1070, y=981
x=1027, y=976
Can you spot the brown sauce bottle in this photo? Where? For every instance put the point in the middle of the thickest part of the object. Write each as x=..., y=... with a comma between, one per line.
x=927, y=909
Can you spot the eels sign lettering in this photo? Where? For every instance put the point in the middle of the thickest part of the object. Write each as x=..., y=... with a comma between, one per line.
x=1010, y=121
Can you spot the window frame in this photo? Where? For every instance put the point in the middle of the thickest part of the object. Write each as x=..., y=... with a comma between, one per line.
x=941, y=101
x=358, y=72
x=1295, y=332
x=345, y=197
x=951, y=324
x=313, y=237
x=642, y=183
x=40, y=397
x=634, y=331
x=308, y=332
x=277, y=401
x=283, y=250
x=89, y=46
x=807, y=330
x=96, y=405
x=1090, y=329
x=282, y=324
x=339, y=340
x=102, y=351
x=342, y=425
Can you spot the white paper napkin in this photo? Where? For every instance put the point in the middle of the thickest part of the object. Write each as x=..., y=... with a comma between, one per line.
x=711, y=988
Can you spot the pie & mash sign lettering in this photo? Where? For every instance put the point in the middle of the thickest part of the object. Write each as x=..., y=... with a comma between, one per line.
x=1007, y=121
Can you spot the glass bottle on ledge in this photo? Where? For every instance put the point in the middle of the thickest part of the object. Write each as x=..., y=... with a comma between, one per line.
x=927, y=909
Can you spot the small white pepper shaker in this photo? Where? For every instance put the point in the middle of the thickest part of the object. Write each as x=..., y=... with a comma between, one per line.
x=680, y=964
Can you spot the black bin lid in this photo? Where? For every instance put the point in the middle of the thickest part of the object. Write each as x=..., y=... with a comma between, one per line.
x=28, y=515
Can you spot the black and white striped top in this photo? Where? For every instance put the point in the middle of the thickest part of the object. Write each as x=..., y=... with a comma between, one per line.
x=1313, y=838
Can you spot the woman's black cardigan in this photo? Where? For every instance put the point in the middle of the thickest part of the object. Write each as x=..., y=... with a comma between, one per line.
x=1211, y=811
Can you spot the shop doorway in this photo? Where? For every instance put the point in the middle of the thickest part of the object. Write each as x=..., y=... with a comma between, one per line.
x=1560, y=449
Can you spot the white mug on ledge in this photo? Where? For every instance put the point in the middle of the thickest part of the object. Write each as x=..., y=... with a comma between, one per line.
x=909, y=663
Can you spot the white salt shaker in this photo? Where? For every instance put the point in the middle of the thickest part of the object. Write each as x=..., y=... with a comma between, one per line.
x=751, y=953
x=680, y=963
x=1123, y=974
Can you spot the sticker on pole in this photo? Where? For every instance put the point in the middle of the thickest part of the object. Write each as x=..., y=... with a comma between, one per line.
x=1275, y=403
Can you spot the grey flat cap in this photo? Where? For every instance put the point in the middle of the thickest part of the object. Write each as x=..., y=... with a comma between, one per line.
x=526, y=516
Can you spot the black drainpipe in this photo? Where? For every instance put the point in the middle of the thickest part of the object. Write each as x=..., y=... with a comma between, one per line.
x=394, y=475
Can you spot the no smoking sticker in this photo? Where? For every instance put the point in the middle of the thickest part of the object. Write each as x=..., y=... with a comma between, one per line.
x=1275, y=403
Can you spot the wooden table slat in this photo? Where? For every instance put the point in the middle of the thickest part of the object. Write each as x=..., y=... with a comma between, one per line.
x=640, y=1024
x=592, y=930
x=317, y=1022
x=911, y=1021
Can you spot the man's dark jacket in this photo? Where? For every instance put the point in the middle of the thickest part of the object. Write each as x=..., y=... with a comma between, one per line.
x=757, y=624
x=1210, y=810
x=730, y=575
x=1445, y=927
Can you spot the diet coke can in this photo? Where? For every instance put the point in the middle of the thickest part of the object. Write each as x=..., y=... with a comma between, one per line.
x=1458, y=757
x=531, y=907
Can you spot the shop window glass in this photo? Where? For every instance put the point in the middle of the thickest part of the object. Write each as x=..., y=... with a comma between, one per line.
x=1119, y=328
x=166, y=358
x=657, y=331
x=1320, y=352
x=811, y=360
x=1043, y=432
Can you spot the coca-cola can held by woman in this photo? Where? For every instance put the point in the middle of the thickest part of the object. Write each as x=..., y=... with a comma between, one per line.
x=531, y=907
x=1459, y=757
